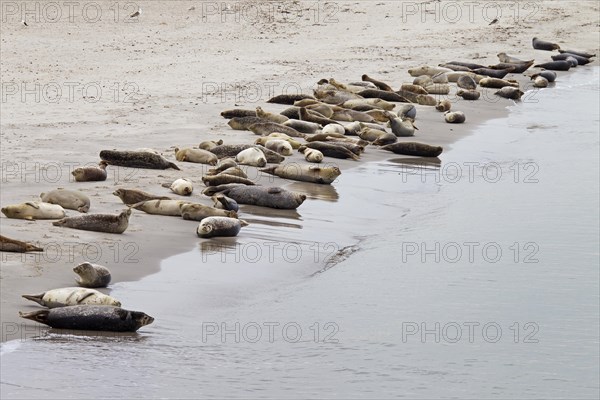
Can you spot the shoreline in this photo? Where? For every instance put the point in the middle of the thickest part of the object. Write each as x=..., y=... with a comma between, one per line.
x=141, y=242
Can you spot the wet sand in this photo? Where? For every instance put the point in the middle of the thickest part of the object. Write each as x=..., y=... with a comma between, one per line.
x=163, y=82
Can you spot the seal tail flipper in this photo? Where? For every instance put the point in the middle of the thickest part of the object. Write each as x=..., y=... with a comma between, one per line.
x=31, y=247
x=171, y=165
x=166, y=185
x=60, y=222
x=38, y=316
x=136, y=205
x=243, y=223
x=35, y=297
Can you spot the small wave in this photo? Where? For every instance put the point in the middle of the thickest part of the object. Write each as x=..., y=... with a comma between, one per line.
x=10, y=346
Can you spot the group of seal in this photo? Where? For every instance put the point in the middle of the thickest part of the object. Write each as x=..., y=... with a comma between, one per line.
x=339, y=120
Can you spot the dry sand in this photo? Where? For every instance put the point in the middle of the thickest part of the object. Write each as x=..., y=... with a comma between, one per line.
x=73, y=87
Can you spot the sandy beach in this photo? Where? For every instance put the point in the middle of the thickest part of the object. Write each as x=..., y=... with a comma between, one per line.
x=71, y=88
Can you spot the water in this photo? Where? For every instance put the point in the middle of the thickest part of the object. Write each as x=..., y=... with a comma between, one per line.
x=476, y=283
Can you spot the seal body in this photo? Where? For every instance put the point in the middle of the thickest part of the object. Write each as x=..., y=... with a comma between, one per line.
x=466, y=82
x=455, y=117
x=289, y=98
x=544, y=45
x=92, y=275
x=496, y=83
x=443, y=105
x=540, y=82
x=380, y=85
x=224, y=178
x=197, y=212
x=16, y=246
x=468, y=94
x=278, y=118
x=161, y=207
x=182, y=186
x=509, y=92
x=108, y=223
x=266, y=128
x=304, y=173
x=219, y=226
x=91, y=174
x=232, y=150
x=561, y=65
x=280, y=146
x=136, y=159
x=243, y=123
x=302, y=126
x=427, y=70
x=196, y=156
x=549, y=75
x=72, y=296
x=91, y=318
x=133, y=196
x=69, y=199
x=402, y=128
x=251, y=156
x=332, y=150
x=272, y=197
x=414, y=149
x=34, y=210
x=312, y=155
x=210, y=144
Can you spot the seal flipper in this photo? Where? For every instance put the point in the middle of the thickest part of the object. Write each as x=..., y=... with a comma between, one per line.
x=59, y=222
x=37, y=316
x=171, y=165
x=33, y=204
x=35, y=297
x=269, y=170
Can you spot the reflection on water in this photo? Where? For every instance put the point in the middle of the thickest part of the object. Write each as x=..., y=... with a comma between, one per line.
x=315, y=190
x=401, y=316
x=422, y=162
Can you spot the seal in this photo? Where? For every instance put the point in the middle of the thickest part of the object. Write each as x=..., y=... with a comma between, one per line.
x=181, y=186
x=133, y=196
x=375, y=102
x=91, y=174
x=92, y=275
x=443, y=105
x=312, y=155
x=244, y=123
x=400, y=127
x=302, y=126
x=72, y=296
x=377, y=115
x=352, y=115
x=291, y=113
x=380, y=85
x=305, y=115
x=232, y=150
x=272, y=197
x=566, y=56
x=466, y=82
x=235, y=171
x=266, y=128
x=384, y=95
x=549, y=75
x=466, y=64
x=454, y=117
x=251, y=156
x=197, y=212
x=416, y=89
x=293, y=142
x=468, y=94
x=494, y=73
x=223, y=202
x=136, y=159
x=198, y=156
x=108, y=223
x=505, y=58
x=320, y=110
x=423, y=80
x=69, y=199
x=223, y=178
x=219, y=226
x=335, y=96
x=438, y=88
x=540, y=82
x=91, y=318
x=170, y=208
x=543, y=45
x=414, y=149
x=289, y=98
x=517, y=68
x=331, y=150
x=455, y=67
x=17, y=246
x=33, y=210
x=224, y=164
x=497, y=83
x=237, y=112
x=210, y=144
x=277, y=118
x=304, y=173
x=426, y=100
x=439, y=78
x=427, y=70
x=280, y=146
x=509, y=92
x=407, y=111
x=355, y=148
x=578, y=53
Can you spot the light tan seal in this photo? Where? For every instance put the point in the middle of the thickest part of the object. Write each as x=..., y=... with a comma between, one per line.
x=92, y=275
x=304, y=172
x=72, y=296
x=133, y=196
x=69, y=199
x=34, y=210
x=198, y=156
x=197, y=212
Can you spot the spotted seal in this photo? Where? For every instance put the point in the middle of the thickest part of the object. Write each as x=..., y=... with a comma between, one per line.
x=91, y=174
x=136, y=159
x=92, y=275
x=219, y=226
x=72, y=296
x=108, y=223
